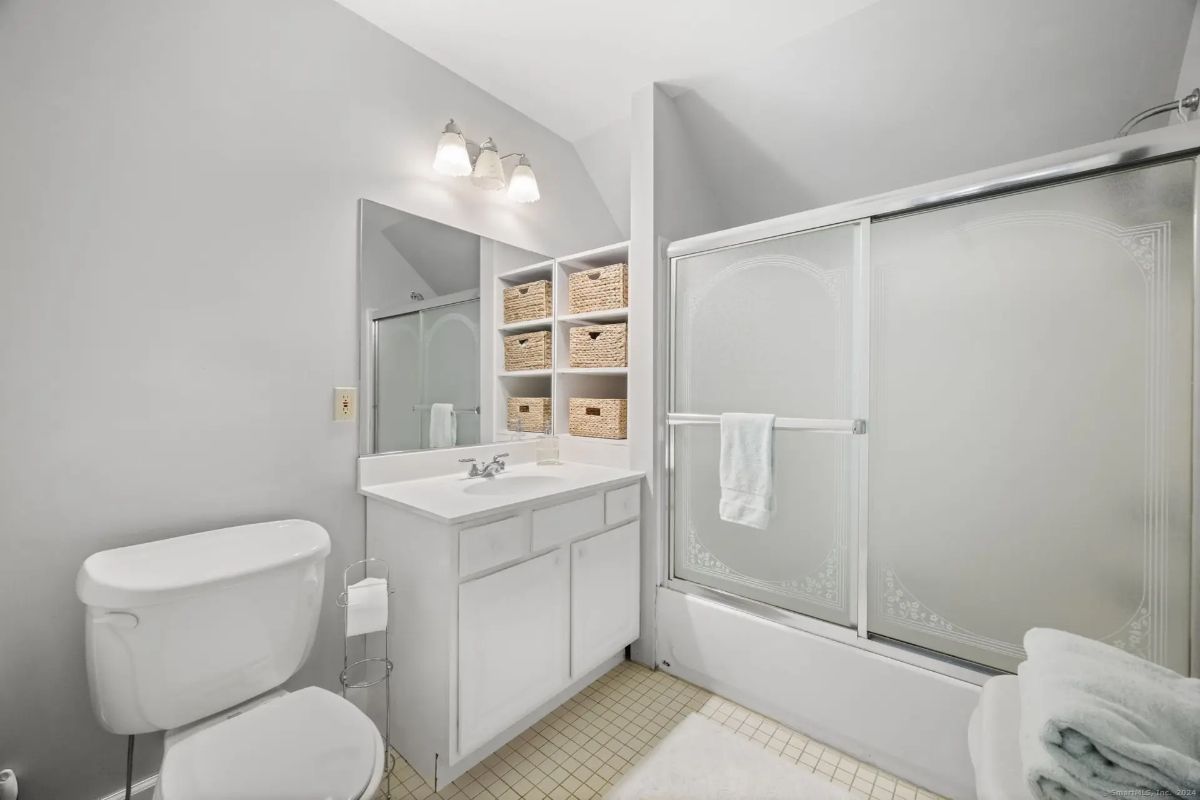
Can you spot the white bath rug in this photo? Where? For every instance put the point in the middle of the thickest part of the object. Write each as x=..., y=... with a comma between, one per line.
x=702, y=760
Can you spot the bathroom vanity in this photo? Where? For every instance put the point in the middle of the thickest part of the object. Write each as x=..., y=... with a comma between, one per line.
x=511, y=594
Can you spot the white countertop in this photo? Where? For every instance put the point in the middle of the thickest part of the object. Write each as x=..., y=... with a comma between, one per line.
x=454, y=499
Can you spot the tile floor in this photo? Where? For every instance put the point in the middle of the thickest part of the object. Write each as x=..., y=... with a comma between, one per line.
x=584, y=746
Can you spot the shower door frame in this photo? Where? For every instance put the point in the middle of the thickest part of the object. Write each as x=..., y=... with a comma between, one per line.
x=369, y=358
x=1159, y=146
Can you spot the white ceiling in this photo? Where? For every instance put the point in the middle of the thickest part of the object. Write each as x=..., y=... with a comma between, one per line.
x=573, y=66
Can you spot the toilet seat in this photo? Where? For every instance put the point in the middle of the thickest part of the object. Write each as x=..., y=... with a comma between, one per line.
x=307, y=745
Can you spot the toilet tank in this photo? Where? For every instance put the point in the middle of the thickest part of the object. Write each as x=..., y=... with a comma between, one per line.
x=182, y=628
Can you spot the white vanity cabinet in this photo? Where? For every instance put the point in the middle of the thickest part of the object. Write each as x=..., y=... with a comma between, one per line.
x=513, y=643
x=604, y=595
x=497, y=619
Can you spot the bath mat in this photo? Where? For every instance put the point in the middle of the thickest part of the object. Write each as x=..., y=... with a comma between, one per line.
x=703, y=760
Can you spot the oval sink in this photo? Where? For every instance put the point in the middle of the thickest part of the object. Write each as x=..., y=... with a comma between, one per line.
x=512, y=484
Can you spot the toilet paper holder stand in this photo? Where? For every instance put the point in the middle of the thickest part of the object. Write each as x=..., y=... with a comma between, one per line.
x=383, y=664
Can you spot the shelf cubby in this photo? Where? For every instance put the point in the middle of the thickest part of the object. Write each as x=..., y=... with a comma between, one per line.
x=606, y=382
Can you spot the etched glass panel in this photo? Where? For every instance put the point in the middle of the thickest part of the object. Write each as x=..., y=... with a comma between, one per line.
x=767, y=327
x=1030, y=419
x=450, y=345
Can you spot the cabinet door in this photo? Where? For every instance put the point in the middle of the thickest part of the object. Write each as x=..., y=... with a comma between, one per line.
x=512, y=645
x=604, y=596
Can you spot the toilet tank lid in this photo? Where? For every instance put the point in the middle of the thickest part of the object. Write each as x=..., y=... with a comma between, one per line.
x=159, y=571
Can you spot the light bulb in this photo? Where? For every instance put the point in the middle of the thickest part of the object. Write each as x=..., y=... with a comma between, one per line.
x=451, y=157
x=489, y=170
x=523, y=187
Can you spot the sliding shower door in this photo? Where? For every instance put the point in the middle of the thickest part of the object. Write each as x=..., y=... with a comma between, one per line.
x=768, y=327
x=1030, y=420
x=421, y=358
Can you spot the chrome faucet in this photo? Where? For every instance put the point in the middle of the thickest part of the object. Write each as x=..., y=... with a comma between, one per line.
x=488, y=470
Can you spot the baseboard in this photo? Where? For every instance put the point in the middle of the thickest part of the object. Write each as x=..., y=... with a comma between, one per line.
x=141, y=789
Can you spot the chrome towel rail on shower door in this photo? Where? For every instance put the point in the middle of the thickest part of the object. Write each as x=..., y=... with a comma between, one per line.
x=851, y=426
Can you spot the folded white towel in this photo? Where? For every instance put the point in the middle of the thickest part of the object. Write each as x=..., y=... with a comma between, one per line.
x=994, y=741
x=746, y=472
x=1099, y=722
x=1045, y=777
x=443, y=429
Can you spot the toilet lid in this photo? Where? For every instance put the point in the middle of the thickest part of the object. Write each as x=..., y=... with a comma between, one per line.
x=307, y=745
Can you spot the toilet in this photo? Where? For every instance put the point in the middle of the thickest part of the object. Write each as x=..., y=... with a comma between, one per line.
x=194, y=635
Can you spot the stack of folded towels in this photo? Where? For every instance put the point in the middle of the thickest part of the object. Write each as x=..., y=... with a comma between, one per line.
x=1097, y=722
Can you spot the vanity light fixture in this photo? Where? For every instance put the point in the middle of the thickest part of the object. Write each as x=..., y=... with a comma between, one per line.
x=523, y=187
x=489, y=169
x=452, y=157
x=486, y=169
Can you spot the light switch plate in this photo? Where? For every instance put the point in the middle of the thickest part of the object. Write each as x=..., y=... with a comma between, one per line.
x=345, y=402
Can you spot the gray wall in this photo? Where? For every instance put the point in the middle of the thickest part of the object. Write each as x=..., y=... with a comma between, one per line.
x=178, y=187
x=1189, y=72
x=606, y=154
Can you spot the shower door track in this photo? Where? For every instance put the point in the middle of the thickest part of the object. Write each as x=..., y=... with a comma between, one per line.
x=1167, y=144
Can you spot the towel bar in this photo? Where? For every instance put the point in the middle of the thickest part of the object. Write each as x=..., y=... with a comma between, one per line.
x=427, y=407
x=851, y=426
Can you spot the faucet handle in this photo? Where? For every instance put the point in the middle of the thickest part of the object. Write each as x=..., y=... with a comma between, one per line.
x=466, y=461
x=499, y=456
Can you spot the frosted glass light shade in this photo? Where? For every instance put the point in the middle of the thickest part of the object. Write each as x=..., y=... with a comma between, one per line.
x=523, y=186
x=489, y=170
x=451, y=157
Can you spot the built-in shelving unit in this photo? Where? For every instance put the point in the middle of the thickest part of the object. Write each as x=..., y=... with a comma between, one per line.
x=574, y=381
x=562, y=382
x=521, y=383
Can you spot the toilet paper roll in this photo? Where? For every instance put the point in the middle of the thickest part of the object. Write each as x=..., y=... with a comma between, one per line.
x=366, y=607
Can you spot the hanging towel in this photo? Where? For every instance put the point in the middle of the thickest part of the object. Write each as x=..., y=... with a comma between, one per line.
x=442, y=427
x=1100, y=722
x=747, y=480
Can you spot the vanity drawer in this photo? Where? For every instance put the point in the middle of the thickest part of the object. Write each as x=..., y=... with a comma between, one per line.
x=557, y=524
x=622, y=504
x=489, y=545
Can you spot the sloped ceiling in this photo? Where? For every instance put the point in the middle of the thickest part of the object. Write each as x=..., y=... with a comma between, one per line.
x=908, y=91
x=445, y=257
x=573, y=66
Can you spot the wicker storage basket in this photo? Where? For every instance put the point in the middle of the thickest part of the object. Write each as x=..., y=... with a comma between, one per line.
x=598, y=289
x=533, y=414
x=600, y=418
x=600, y=345
x=527, y=301
x=527, y=351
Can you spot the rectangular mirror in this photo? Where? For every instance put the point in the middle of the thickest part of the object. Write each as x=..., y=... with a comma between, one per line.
x=420, y=315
